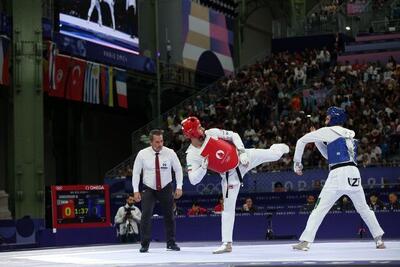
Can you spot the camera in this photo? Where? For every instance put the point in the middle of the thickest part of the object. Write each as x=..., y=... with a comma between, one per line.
x=128, y=212
x=129, y=209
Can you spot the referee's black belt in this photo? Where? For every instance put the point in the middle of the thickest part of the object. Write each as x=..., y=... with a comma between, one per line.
x=342, y=165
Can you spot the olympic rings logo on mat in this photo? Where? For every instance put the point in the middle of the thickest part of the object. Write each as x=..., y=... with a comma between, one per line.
x=207, y=189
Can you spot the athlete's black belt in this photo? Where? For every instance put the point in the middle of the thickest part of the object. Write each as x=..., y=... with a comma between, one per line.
x=342, y=165
x=239, y=174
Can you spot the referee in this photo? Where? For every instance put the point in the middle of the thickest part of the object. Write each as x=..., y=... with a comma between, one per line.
x=156, y=161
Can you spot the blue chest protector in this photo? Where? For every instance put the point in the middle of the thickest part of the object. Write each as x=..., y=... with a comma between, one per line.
x=338, y=152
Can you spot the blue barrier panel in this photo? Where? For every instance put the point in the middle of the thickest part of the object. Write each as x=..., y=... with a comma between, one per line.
x=264, y=181
x=285, y=225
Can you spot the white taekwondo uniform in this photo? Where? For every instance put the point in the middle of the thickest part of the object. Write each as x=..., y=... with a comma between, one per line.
x=255, y=156
x=337, y=144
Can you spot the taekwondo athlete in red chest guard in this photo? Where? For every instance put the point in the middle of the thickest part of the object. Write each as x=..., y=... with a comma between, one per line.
x=222, y=156
x=223, y=151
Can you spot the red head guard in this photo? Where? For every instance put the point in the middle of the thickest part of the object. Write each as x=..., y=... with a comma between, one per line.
x=190, y=127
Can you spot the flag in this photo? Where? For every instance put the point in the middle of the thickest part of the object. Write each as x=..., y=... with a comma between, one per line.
x=75, y=80
x=52, y=54
x=120, y=83
x=130, y=3
x=46, y=67
x=4, y=61
x=107, y=86
x=92, y=83
x=60, y=76
x=45, y=74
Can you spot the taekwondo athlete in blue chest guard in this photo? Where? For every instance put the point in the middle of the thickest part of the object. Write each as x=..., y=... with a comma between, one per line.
x=338, y=145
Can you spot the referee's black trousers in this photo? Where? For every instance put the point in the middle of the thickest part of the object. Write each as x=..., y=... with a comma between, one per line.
x=166, y=199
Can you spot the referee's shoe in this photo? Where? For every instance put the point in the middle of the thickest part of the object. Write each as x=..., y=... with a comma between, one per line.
x=144, y=248
x=173, y=246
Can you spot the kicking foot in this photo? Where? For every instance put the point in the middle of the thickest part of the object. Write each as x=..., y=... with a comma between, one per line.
x=283, y=148
x=303, y=245
x=224, y=248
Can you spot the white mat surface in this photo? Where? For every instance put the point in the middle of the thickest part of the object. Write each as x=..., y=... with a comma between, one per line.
x=124, y=255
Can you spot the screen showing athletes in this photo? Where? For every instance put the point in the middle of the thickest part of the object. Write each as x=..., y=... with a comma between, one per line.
x=113, y=23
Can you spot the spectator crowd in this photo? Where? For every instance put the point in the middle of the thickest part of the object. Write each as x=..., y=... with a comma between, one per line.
x=279, y=99
x=324, y=15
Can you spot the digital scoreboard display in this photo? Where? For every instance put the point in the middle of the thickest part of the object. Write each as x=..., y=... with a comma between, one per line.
x=76, y=206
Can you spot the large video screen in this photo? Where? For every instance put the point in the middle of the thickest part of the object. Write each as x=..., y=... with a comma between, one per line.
x=112, y=23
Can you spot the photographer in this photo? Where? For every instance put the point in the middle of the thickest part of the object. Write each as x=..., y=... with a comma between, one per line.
x=128, y=217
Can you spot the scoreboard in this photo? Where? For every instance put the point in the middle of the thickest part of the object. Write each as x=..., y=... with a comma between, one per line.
x=78, y=206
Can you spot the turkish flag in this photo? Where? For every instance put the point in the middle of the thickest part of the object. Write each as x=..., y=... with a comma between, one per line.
x=76, y=77
x=61, y=73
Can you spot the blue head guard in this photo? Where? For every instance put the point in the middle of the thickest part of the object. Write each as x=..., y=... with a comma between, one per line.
x=338, y=116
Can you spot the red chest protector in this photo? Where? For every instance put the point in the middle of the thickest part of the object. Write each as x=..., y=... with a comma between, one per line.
x=222, y=155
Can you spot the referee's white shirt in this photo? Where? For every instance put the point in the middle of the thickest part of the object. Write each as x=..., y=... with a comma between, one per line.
x=145, y=160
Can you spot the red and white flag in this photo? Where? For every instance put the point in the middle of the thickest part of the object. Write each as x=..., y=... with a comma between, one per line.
x=76, y=78
x=60, y=76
